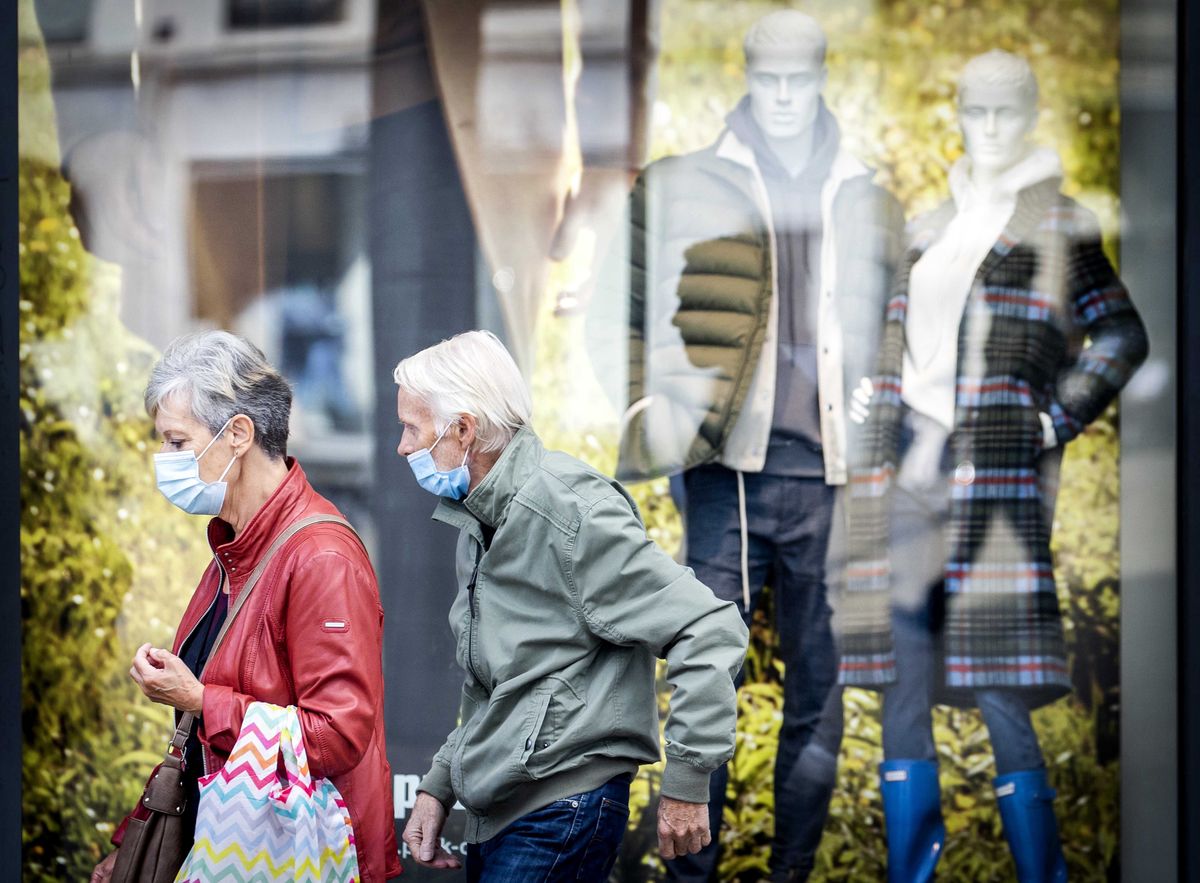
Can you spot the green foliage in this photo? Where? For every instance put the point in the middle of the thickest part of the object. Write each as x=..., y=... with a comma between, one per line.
x=893, y=68
x=105, y=563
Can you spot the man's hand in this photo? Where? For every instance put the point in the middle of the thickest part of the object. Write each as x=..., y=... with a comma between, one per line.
x=104, y=870
x=423, y=833
x=166, y=679
x=682, y=827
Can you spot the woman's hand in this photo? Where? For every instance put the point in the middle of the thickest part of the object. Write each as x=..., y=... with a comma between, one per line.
x=165, y=679
x=103, y=871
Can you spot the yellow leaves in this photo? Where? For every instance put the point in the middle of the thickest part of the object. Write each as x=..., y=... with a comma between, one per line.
x=139, y=760
x=756, y=763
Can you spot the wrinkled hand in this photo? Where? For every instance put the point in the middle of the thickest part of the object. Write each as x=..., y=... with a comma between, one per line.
x=682, y=827
x=860, y=401
x=104, y=870
x=166, y=679
x=423, y=833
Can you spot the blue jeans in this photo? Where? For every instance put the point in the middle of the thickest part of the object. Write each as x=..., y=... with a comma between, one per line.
x=788, y=522
x=576, y=838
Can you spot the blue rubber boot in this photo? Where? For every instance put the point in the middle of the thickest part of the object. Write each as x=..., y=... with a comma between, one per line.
x=912, y=808
x=1026, y=803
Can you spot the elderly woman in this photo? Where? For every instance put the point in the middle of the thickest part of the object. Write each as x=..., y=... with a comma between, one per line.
x=563, y=607
x=311, y=632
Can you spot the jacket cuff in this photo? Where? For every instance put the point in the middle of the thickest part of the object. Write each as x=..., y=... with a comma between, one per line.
x=216, y=726
x=1065, y=426
x=437, y=783
x=682, y=781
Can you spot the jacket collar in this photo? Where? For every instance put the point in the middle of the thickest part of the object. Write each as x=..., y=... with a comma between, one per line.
x=1032, y=203
x=491, y=497
x=845, y=165
x=239, y=554
x=1038, y=165
x=827, y=140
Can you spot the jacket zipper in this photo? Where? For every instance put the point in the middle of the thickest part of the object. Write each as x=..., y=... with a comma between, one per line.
x=474, y=616
x=183, y=643
x=457, y=759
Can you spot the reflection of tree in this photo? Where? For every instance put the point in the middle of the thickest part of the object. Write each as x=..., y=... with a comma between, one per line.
x=105, y=563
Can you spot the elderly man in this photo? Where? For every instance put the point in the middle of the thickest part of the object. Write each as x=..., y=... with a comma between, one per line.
x=563, y=607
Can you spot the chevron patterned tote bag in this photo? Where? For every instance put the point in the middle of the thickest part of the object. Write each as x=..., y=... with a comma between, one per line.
x=256, y=822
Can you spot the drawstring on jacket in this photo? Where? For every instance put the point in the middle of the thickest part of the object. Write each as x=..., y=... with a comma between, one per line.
x=745, y=532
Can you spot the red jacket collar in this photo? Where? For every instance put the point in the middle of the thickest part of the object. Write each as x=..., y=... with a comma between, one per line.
x=240, y=554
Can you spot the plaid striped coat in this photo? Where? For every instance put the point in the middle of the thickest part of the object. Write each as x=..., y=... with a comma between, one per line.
x=1044, y=288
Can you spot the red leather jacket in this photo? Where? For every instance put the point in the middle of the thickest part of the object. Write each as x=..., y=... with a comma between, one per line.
x=311, y=635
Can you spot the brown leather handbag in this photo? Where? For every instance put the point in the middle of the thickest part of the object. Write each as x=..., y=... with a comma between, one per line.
x=153, y=848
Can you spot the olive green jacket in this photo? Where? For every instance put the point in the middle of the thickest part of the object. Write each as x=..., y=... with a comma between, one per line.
x=558, y=621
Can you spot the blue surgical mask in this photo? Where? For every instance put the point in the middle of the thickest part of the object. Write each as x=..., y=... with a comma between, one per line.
x=452, y=483
x=178, y=476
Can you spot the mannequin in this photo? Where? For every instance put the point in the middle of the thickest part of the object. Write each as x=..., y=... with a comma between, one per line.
x=757, y=276
x=984, y=375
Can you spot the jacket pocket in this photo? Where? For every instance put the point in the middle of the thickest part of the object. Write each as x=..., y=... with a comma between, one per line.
x=536, y=733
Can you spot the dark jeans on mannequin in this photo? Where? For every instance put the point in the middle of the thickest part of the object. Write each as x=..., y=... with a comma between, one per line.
x=788, y=522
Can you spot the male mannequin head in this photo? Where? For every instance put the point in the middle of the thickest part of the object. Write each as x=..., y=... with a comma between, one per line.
x=785, y=73
x=997, y=109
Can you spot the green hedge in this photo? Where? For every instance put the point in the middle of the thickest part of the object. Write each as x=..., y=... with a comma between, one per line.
x=106, y=564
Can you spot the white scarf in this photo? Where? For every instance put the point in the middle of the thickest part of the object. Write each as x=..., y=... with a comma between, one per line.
x=941, y=279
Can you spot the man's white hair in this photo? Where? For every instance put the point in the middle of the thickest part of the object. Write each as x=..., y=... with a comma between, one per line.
x=785, y=33
x=471, y=373
x=1000, y=68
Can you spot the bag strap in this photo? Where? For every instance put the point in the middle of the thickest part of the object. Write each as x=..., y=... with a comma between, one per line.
x=187, y=720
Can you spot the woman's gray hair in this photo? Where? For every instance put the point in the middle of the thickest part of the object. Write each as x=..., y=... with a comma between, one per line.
x=216, y=375
x=471, y=373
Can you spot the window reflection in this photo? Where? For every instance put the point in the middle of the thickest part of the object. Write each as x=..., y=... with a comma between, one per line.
x=282, y=13
x=64, y=21
x=236, y=162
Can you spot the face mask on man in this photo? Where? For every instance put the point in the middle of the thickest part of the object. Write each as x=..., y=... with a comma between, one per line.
x=452, y=483
x=178, y=477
